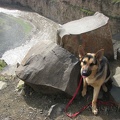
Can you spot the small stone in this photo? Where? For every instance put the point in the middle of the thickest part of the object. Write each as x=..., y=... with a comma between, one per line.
x=3, y=85
x=20, y=85
x=22, y=92
x=30, y=112
x=41, y=111
x=31, y=108
x=56, y=110
x=50, y=110
x=106, y=110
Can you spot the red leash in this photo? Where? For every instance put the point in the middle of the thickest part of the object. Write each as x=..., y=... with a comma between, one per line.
x=77, y=113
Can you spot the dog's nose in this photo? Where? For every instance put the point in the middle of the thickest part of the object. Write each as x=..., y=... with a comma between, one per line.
x=86, y=73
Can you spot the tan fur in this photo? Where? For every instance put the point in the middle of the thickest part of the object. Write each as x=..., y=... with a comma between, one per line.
x=91, y=79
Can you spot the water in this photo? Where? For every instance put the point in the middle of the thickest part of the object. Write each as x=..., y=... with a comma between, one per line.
x=15, y=44
x=12, y=33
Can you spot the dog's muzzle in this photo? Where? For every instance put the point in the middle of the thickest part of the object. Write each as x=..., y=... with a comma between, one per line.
x=86, y=73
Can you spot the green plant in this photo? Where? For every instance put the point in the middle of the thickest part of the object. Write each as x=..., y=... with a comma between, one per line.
x=2, y=64
x=2, y=78
x=88, y=12
x=115, y=1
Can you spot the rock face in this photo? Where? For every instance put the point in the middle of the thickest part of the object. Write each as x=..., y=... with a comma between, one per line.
x=63, y=11
x=50, y=69
x=92, y=32
x=118, y=54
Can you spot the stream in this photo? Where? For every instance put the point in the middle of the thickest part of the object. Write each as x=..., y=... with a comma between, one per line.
x=20, y=30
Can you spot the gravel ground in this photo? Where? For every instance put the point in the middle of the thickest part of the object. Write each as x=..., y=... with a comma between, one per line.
x=29, y=105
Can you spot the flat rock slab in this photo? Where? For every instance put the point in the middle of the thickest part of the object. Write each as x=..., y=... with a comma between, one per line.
x=50, y=69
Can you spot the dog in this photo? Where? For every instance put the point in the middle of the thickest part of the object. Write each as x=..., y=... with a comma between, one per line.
x=95, y=72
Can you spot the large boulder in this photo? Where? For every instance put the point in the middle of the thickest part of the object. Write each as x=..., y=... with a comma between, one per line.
x=50, y=69
x=92, y=32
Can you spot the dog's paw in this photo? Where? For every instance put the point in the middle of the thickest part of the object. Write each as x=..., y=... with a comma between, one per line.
x=83, y=93
x=95, y=111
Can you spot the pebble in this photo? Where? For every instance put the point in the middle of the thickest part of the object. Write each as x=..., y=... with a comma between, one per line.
x=20, y=85
x=3, y=85
x=41, y=111
x=56, y=110
x=31, y=108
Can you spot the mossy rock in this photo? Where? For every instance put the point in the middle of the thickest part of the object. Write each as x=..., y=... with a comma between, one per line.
x=2, y=64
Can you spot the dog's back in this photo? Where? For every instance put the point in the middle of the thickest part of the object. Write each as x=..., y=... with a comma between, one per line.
x=103, y=63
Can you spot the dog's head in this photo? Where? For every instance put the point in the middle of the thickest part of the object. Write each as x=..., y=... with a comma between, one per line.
x=89, y=61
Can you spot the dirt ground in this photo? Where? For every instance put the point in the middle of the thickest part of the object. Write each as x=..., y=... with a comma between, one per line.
x=15, y=105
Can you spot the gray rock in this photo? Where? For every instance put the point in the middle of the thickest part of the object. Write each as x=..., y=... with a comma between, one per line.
x=72, y=9
x=3, y=85
x=115, y=92
x=116, y=80
x=117, y=71
x=20, y=85
x=50, y=69
x=88, y=32
x=116, y=76
x=118, y=53
x=56, y=110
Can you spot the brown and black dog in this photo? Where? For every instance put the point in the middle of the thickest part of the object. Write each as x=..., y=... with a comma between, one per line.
x=95, y=71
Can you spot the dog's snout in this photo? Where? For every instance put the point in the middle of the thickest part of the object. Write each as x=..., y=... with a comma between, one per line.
x=86, y=73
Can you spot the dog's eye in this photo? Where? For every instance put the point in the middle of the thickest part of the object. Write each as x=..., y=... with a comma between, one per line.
x=84, y=62
x=91, y=64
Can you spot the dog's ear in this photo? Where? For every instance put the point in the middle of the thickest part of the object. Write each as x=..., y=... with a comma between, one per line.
x=99, y=54
x=81, y=52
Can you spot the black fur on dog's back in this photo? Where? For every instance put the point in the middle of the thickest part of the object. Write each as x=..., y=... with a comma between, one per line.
x=100, y=71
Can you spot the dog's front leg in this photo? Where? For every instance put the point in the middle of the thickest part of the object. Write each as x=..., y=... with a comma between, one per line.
x=94, y=101
x=84, y=88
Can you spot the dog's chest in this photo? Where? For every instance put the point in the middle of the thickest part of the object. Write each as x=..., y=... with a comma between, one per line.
x=93, y=82
x=90, y=81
